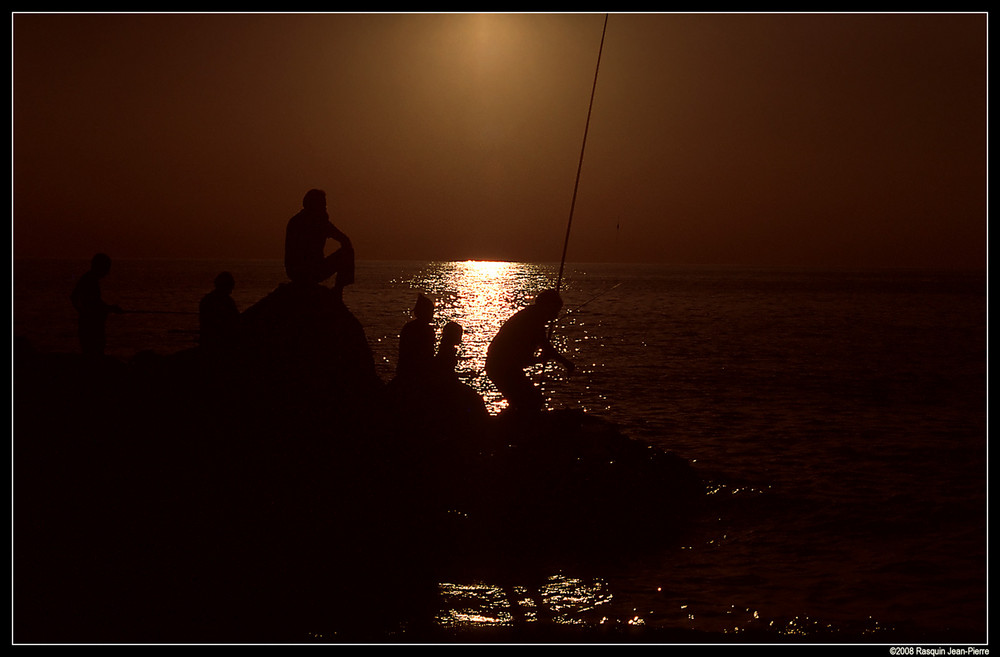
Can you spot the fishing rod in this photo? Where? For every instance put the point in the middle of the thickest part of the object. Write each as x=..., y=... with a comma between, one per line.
x=576, y=184
x=583, y=147
x=579, y=166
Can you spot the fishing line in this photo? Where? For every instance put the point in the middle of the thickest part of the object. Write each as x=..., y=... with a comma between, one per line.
x=593, y=298
x=160, y=312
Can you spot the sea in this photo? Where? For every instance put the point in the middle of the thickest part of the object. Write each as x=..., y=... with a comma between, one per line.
x=838, y=418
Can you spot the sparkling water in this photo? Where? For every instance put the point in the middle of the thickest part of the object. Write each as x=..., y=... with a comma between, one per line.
x=837, y=417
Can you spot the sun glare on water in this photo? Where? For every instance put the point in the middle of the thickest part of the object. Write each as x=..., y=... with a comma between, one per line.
x=563, y=600
x=481, y=295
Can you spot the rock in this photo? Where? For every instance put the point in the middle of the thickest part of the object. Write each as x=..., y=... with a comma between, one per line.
x=305, y=335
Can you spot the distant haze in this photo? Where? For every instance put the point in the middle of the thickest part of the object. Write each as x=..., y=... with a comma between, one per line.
x=758, y=139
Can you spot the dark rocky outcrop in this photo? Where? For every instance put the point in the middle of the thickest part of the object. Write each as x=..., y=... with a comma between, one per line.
x=278, y=491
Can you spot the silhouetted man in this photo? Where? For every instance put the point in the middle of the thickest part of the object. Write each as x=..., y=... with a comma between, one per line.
x=305, y=243
x=521, y=342
x=416, y=341
x=93, y=312
x=218, y=316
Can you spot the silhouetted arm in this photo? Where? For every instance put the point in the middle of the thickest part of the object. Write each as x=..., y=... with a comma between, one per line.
x=550, y=353
x=336, y=234
x=86, y=298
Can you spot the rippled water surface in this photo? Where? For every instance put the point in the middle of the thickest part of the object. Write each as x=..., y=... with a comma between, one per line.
x=838, y=418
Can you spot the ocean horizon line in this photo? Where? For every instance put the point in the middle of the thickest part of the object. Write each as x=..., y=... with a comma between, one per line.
x=970, y=269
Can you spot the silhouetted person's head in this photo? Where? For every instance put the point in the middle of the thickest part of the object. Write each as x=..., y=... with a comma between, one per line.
x=423, y=309
x=549, y=302
x=100, y=264
x=315, y=199
x=225, y=282
x=451, y=334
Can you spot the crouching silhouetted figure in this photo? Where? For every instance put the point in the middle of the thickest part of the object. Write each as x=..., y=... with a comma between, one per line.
x=522, y=342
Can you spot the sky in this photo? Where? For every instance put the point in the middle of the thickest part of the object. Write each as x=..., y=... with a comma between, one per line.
x=843, y=140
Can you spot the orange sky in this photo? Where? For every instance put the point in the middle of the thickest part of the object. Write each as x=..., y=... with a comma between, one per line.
x=759, y=139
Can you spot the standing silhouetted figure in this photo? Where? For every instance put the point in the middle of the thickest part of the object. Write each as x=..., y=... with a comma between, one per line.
x=517, y=345
x=416, y=341
x=218, y=316
x=93, y=312
x=305, y=243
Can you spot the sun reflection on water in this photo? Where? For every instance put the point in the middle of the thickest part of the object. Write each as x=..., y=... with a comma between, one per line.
x=481, y=295
x=566, y=601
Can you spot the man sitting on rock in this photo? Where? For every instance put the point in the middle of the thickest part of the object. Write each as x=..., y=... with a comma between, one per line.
x=305, y=243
